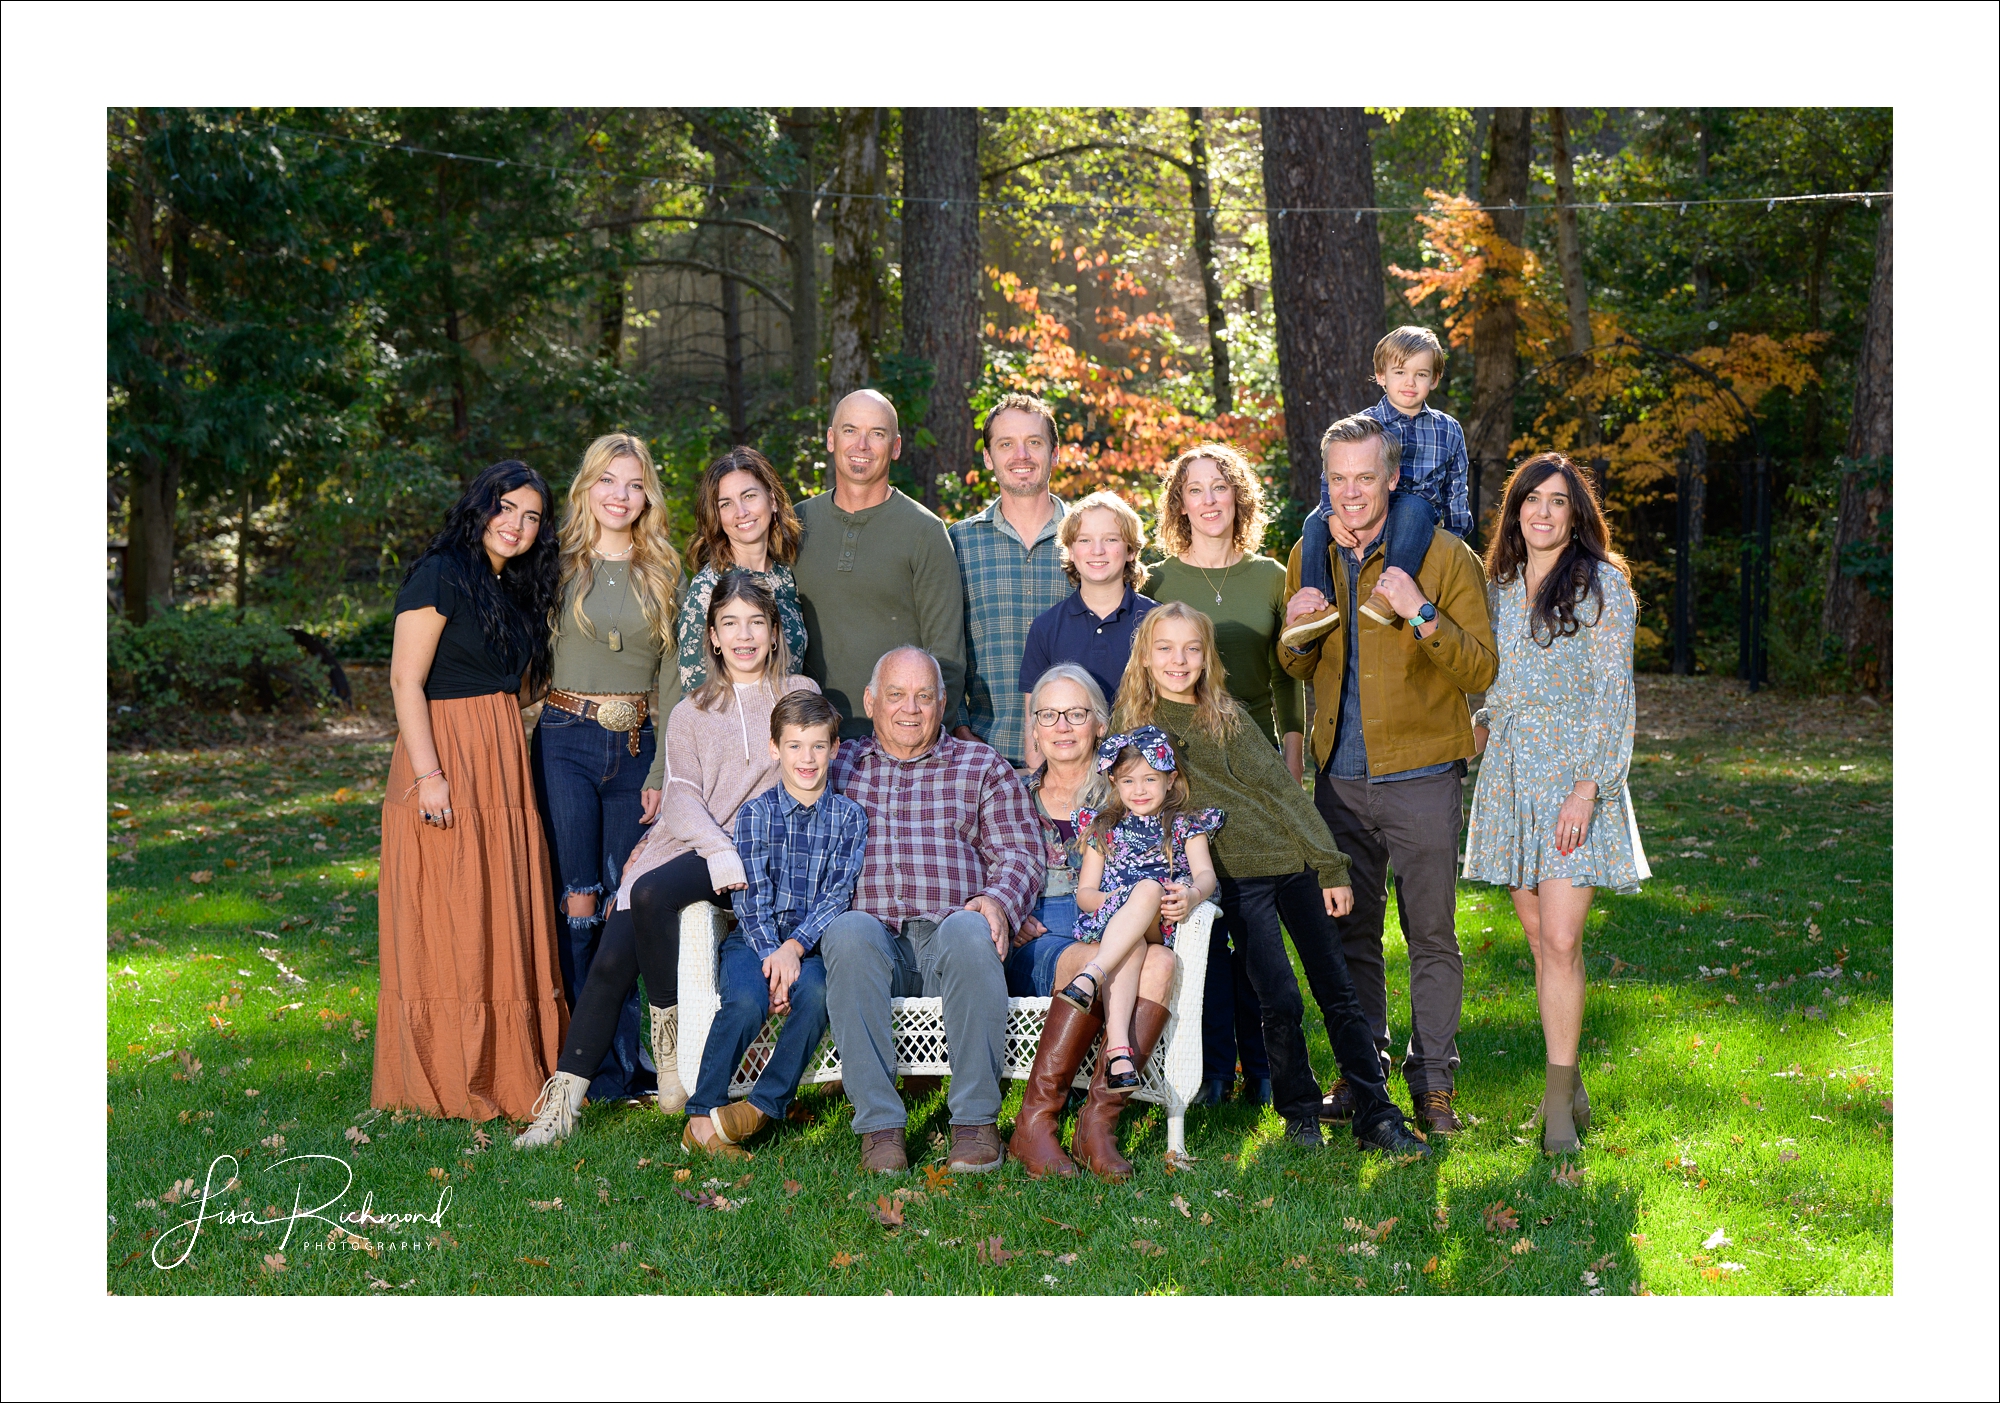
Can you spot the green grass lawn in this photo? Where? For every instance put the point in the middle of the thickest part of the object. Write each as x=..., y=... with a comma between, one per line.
x=1738, y=1049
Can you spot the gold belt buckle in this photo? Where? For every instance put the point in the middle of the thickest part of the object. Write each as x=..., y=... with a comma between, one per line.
x=617, y=715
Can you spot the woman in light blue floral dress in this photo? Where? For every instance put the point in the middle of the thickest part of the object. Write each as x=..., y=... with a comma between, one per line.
x=743, y=521
x=1551, y=814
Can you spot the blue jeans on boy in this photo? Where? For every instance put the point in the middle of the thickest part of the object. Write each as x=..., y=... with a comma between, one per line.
x=746, y=1003
x=1031, y=968
x=1406, y=537
x=587, y=785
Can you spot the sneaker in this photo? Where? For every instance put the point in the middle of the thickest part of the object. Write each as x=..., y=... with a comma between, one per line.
x=882, y=1152
x=1304, y=1133
x=738, y=1121
x=1391, y=1137
x=1301, y=635
x=975, y=1149
x=1434, y=1113
x=716, y=1148
x=1377, y=607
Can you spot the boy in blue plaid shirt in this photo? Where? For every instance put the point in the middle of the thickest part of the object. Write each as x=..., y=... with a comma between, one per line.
x=1430, y=490
x=801, y=847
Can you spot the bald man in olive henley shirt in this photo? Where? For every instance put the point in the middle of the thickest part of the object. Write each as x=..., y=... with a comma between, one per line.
x=876, y=570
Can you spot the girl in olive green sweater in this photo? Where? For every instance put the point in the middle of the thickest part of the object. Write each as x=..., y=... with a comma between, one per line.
x=1279, y=871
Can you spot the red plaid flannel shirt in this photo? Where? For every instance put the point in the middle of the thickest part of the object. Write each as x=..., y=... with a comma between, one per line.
x=952, y=824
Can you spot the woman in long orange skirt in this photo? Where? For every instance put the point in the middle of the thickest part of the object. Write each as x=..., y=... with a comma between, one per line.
x=471, y=1015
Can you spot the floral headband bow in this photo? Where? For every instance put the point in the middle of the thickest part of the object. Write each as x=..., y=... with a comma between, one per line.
x=1150, y=741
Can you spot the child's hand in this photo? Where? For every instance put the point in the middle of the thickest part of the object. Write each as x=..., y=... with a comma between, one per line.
x=1343, y=534
x=1339, y=900
x=781, y=969
x=1176, y=903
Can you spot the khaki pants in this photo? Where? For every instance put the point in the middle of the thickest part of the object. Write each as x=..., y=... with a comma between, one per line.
x=1412, y=827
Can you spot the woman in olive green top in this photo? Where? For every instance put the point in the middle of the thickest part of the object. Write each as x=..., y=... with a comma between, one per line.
x=598, y=774
x=1211, y=522
x=1278, y=867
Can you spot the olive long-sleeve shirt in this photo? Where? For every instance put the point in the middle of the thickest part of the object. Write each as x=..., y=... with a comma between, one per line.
x=881, y=578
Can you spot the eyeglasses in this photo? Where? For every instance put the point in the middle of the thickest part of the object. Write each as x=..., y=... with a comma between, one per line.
x=1076, y=716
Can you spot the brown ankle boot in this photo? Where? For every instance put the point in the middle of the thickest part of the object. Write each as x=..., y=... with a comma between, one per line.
x=1066, y=1040
x=1095, y=1141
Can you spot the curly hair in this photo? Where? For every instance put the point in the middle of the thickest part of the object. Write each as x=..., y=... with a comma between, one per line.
x=1176, y=533
x=1574, y=576
x=656, y=568
x=515, y=609
x=710, y=543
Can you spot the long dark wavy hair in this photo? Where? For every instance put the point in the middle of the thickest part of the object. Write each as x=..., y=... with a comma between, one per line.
x=515, y=609
x=1575, y=576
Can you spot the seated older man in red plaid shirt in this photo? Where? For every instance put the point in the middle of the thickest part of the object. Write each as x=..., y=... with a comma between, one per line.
x=954, y=864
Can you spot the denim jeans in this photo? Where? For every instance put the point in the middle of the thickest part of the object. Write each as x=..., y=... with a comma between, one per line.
x=746, y=1003
x=1264, y=909
x=1031, y=968
x=1406, y=537
x=587, y=787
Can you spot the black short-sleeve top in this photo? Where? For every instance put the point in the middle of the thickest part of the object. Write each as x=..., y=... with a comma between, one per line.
x=465, y=666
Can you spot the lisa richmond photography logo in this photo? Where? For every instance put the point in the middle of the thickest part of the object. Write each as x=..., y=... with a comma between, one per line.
x=319, y=1188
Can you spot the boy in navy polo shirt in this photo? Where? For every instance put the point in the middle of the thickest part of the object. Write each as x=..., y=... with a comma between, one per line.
x=1101, y=539
x=1430, y=491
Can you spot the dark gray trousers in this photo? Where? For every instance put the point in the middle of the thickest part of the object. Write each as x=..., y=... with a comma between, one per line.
x=1412, y=827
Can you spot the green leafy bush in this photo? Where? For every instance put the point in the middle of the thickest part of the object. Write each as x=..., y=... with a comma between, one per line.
x=366, y=638
x=205, y=660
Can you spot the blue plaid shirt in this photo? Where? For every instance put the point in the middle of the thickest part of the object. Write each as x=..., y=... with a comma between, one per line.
x=1007, y=586
x=801, y=862
x=1433, y=464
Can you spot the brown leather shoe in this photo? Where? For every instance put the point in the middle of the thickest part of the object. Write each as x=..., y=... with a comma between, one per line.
x=975, y=1149
x=1338, y=1104
x=1434, y=1113
x=1066, y=1040
x=882, y=1152
x=738, y=1121
x=1095, y=1140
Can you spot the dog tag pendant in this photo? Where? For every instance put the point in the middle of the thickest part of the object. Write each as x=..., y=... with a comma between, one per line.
x=617, y=642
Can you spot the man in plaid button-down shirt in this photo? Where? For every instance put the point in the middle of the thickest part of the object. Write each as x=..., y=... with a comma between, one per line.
x=1011, y=563
x=953, y=867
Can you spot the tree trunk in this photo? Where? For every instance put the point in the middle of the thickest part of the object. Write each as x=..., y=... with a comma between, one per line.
x=243, y=553
x=1475, y=156
x=154, y=491
x=732, y=344
x=1496, y=323
x=801, y=205
x=1856, y=614
x=1326, y=273
x=448, y=296
x=1697, y=487
x=1569, y=244
x=1202, y=200
x=855, y=217
x=941, y=280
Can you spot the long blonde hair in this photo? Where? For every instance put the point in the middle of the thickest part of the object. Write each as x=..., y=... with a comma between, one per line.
x=1216, y=713
x=656, y=568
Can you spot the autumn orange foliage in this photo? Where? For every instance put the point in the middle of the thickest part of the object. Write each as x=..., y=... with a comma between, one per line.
x=1115, y=436
x=1645, y=406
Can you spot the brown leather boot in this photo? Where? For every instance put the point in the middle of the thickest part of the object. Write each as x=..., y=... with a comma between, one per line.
x=1066, y=1039
x=1095, y=1141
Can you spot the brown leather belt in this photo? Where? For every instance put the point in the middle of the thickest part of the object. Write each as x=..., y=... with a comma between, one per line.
x=622, y=713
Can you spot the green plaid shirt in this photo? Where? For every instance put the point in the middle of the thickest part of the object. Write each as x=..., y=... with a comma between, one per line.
x=1006, y=586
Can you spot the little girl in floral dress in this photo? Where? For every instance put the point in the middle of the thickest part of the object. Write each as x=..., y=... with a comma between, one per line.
x=1145, y=869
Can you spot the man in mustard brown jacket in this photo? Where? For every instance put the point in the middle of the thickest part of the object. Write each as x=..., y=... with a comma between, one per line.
x=1391, y=734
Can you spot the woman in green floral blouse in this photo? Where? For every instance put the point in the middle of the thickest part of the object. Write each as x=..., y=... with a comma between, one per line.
x=743, y=521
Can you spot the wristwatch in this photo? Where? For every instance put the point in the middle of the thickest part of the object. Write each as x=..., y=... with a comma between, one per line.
x=1423, y=615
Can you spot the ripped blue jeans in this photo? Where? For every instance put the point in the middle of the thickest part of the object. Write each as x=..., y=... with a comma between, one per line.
x=587, y=787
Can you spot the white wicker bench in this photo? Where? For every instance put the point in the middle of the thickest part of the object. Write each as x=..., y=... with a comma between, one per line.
x=1171, y=1077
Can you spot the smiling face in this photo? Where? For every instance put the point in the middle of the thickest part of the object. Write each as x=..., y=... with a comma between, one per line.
x=1209, y=499
x=863, y=439
x=803, y=754
x=1547, y=514
x=512, y=530
x=1100, y=552
x=906, y=704
x=741, y=634
x=1176, y=659
x=1141, y=788
x=1408, y=384
x=619, y=495
x=1358, y=484
x=744, y=508
x=1064, y=742
x=1021, y=453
